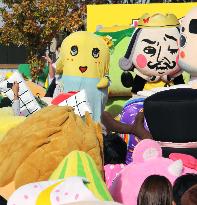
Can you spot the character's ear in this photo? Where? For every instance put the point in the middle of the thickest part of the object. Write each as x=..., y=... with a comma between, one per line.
x=146, y=150
x=176, y=168
x=125, y=62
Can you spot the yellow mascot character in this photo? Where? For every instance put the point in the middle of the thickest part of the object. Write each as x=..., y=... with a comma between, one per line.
x=84, y=63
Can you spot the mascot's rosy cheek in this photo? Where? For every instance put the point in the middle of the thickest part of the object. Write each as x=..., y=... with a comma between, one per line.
x=141, y=61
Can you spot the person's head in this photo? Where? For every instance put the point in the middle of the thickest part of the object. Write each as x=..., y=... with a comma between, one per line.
x=190, y=196
x=181, y=185
x=155, y=190
x=115, y=149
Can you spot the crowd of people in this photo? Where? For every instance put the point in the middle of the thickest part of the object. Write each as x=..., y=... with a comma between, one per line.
x=157, y=190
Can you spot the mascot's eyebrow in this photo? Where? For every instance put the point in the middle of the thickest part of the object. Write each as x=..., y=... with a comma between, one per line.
x=149, y=41
x=170, y=37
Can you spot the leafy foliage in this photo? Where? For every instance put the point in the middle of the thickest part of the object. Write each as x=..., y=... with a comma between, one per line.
x=34, y=23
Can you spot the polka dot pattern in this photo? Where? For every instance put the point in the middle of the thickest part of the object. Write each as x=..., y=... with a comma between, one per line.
x=111, y=172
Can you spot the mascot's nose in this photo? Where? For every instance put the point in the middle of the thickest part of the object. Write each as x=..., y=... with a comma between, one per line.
x=83, y=68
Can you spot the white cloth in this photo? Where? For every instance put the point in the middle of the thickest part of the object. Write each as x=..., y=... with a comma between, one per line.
x=16, y=107
x=28, y=103
x=58, y=89
x=79, y=103
x=2, y=77
x=71, y=189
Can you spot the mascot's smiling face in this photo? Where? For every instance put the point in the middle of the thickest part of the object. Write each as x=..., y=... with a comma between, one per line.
x=156, y=51
x=84, y=54
x=188, y=43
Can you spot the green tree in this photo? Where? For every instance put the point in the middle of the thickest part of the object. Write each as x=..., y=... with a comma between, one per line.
x=34, y=23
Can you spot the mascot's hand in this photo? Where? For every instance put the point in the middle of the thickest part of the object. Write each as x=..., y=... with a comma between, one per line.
x=103, y=83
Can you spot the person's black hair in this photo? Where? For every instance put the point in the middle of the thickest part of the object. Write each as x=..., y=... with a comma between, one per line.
x=181, y=185
x=115, y=149
x=155, y=190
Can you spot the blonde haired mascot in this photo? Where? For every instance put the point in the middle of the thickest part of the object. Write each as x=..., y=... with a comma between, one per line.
x=84, y=62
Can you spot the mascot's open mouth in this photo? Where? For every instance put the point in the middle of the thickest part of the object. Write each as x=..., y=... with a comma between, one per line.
x=83, y=68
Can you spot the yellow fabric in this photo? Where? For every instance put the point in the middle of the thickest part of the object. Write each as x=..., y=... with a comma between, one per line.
x=8, y=75
x=104, y=82
x=42, y=141
x=79, y=163
x=8, y=121
x=96, y=67
x=149, y=86
x=44, y=196
x=7, y=190
x=36, y=89
x=46, y=85
x=158, y=20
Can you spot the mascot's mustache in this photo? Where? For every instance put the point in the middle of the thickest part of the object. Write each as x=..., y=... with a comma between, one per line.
x=165, y=65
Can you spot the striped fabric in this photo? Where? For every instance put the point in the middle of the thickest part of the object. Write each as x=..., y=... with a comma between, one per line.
x=79, y=163
x=75, y=179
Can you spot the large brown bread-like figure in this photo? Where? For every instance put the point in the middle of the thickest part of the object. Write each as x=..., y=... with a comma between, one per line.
x=33, y=150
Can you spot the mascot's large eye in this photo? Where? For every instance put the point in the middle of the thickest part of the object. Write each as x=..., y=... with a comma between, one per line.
x=150, y=50
x=182, y=41
x=95, y=52
x=193, y=26
x=74, y=50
